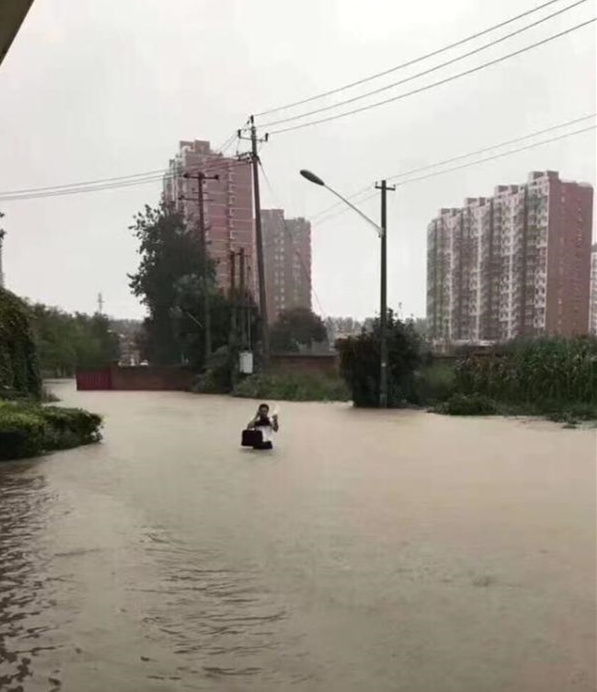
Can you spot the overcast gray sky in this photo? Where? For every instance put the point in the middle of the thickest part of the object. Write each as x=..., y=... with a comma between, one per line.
x=100, y=88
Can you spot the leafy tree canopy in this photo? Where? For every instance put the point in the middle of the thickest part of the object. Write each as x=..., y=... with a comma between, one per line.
x=68, y=341
x=19, y=369
x=295, y=328
x=360, y=362
x=171, y=281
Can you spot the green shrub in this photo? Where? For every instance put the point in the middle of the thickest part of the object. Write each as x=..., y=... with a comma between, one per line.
x=27, y=429
x=21, y=433
x=217, y=378
x=360, y=362
x=70, y=427
x=573, y=413
x=294, y=387
x=19, y=369
x=468, y=405
x=434, y=384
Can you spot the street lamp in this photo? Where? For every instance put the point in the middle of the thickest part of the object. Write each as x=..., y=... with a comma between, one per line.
x=383, y=317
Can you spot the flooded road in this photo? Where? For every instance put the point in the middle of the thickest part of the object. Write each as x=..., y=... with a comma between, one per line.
x=369, y=552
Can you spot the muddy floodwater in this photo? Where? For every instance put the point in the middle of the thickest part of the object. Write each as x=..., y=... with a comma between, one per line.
x=369, y=552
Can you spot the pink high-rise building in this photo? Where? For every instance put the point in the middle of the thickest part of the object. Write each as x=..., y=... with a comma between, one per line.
x=228, y=203
x=593, y=317
x=287, y=254
x=515, y=264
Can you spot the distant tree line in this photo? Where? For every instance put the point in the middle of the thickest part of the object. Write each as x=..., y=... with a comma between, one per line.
x=67, y=341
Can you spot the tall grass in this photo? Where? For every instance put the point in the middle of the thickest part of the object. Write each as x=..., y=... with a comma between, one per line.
x=550, y=372
x=287, y=386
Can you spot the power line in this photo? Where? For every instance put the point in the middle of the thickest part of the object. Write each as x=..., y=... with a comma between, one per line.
x=475, y=163
x=413, y=61
x=438, y=83
x=158, y=173
x=117, y=184
x=460, y=157
x=499, y=156
x=458, y=58
x=226, y=144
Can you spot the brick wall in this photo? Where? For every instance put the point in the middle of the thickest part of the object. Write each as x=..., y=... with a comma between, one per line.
x=140, y=379
x=300, y=362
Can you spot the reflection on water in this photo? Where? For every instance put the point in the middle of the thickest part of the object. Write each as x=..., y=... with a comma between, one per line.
x=27, y=584
x=216, y=618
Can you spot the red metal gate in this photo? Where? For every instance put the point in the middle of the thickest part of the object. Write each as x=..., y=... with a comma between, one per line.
x=94, y=379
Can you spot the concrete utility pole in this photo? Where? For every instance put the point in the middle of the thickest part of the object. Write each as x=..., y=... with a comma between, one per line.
x=233, y=300
x=383, y=318
x=242, y=297
x=201, y=177
x=259, y=248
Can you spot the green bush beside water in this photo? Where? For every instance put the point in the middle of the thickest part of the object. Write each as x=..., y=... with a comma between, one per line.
x=434, y=384
x=19, y=366
x=28, y=429
x=551, y=377
x=467, y=405
x=294, y=387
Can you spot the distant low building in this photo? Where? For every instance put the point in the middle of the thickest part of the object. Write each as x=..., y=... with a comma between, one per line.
x=515, y=264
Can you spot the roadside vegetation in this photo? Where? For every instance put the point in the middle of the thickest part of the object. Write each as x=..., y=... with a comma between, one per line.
x=552, y=377
x=359, y=363
x=288, y=386
x=67, y=341
x=27, y=428
x=19, y=363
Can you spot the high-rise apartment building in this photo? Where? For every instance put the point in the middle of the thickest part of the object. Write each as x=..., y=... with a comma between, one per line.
x=593, y=315
x=287, y=255
x=515, y=264
x=228, y=203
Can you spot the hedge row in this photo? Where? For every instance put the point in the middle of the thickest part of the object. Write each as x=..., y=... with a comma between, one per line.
x=19, y=368
x=28, y=430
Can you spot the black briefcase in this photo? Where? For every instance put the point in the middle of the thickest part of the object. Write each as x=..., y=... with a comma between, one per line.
x=252, y=438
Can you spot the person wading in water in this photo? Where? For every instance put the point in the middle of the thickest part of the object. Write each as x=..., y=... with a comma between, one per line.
x=266, y=424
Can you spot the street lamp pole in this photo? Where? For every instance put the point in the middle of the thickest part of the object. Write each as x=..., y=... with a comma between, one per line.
x=382, y=233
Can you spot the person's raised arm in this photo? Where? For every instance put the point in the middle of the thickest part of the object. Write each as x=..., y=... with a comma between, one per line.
x=253, y=421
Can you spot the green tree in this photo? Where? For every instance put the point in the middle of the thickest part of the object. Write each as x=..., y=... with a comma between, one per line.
x=295, y=328
x=360, y=358
x=171, y=280
x=19, y=368
x=66, y=341
x=171, y=276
